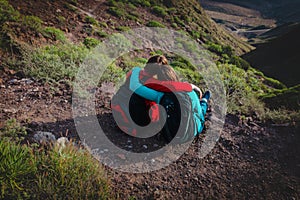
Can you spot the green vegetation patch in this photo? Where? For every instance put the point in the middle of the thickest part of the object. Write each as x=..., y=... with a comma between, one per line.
x=159, y=11
x=13, y=130
x=123, y=28
x=7, y=12
x=54, y=33
x=35, y=173
x=117, y=11
x=91, y=20
x=17, y=171
x=91, y=42
x=32, y=22
x=54, y=63
x=155, y=24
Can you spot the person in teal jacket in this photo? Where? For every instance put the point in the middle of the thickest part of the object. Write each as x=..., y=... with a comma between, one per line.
x=199, y=105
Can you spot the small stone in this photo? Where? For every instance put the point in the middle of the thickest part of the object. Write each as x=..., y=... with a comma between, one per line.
x=105, y=150
x=145, y=146
x=27, y=80
x=13, y=81
x=62, y=142
x=44, y=137
x=11, y=110
x=155, y=145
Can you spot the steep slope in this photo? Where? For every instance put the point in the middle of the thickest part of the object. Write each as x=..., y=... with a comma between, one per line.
x=73, y=18
x=279, y=57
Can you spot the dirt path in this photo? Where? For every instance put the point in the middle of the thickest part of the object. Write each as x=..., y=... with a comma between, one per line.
x=250, y=160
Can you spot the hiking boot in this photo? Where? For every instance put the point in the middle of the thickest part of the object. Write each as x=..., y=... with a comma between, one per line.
x=206, y=96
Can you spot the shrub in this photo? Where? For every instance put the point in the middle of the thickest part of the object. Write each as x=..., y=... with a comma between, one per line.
x=154, y=24
x=195, y=34
x=54, y=63
x=159, y=11
x=103, y=24
x=123, y=28
x=144, y=3
x=239, y=95
x=91, y=20
x=7, y=12
x=54, y=33
x=178, y=21
x=101, y=33
x=133, y=16
x=118, y=12
x=216, y=48
x=91, y=42
x=113, y=74
x=61, y=20
x=239, y=62
x=112, y=3
x=32, y=22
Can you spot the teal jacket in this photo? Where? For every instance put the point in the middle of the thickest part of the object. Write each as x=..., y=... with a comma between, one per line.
x=199, y=107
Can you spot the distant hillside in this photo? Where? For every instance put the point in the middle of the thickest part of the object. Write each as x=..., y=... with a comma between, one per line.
x=252, y=18
x=279, y=58
x=281, y=11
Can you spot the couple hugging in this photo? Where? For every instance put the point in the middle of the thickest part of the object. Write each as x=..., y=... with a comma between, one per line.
x=136, y=104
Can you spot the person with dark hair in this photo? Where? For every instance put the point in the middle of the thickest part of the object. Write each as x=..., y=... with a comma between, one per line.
x=155, y=85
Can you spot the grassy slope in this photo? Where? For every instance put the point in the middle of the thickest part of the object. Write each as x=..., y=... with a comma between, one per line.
x=209, y=27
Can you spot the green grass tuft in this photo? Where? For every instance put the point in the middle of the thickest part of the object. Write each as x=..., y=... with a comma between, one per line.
x=17, y=171
x=59, y=173
x=12, y=130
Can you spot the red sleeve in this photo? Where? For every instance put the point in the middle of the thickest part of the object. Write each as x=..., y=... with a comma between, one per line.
x=168, y=86
x=163, y=86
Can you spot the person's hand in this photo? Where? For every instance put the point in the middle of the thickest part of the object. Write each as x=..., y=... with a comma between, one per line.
x=194, y=87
